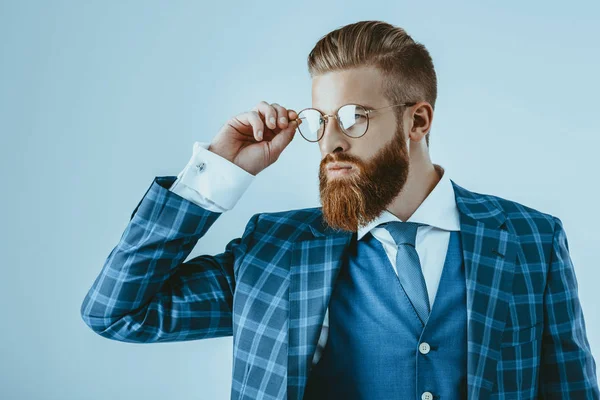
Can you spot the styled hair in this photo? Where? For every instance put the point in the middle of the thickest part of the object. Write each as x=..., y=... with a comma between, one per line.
x=406, y=65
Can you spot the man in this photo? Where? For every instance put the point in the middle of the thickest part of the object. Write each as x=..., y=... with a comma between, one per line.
x=403, y=284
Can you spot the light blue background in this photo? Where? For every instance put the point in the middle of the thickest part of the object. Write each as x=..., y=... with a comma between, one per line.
x=97, y=99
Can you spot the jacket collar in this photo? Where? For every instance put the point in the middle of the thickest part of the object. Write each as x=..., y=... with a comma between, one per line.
x=474, y=205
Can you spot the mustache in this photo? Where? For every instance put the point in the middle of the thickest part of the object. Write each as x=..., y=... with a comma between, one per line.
x=341, y=158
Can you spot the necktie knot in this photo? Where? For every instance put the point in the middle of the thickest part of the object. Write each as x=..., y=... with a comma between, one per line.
x=403, y=232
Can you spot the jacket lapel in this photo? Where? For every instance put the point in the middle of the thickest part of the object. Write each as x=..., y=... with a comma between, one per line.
x=315, y=262
x=489, y=253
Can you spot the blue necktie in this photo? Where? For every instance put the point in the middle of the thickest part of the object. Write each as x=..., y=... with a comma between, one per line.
x=408, y=266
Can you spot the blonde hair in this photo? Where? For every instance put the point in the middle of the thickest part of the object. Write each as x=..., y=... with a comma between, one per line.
x=406, y=65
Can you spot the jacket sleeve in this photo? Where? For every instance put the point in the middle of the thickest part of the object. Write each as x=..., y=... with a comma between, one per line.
x=145, y=291
x=568, y=369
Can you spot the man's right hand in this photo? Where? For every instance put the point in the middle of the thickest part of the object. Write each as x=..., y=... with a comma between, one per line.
x=251, y=141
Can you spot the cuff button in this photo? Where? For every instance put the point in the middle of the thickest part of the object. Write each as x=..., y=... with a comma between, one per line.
x=201, y=167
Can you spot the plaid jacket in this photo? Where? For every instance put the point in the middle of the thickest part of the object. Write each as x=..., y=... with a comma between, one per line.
x=270, y=289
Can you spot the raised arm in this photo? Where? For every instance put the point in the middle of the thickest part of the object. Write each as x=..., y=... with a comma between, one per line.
x=146, y=293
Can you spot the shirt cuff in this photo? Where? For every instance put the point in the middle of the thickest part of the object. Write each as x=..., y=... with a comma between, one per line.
x=214, y=178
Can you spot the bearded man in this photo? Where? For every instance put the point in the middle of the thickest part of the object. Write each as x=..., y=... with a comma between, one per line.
x=403, y=285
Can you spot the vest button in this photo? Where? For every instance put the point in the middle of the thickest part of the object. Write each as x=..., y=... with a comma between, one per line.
x=424, y=348
x=427, y=396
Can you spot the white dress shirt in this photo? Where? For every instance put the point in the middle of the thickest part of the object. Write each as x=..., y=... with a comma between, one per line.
x=217, y=184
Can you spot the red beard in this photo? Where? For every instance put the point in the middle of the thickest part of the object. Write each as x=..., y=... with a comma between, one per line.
x=358, y=197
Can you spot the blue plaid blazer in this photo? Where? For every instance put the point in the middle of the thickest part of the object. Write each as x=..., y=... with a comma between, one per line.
x=270, y=288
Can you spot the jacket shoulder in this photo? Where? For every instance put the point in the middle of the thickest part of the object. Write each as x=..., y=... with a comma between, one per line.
x=523, y=219
x=287, y=223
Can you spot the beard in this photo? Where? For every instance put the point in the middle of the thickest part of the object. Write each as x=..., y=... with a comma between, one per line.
x=358, y=197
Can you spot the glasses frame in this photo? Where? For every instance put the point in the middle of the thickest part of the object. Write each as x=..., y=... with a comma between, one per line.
x=337, y=117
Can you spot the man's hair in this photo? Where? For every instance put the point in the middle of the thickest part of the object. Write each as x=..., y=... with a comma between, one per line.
x=405, y=64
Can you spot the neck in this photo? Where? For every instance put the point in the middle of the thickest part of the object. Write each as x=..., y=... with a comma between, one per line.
x=423, y=176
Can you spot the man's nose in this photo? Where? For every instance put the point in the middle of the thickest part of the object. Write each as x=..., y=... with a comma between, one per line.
x=333, y=136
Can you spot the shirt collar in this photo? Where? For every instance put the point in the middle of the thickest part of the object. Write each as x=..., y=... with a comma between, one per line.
x=439, y=209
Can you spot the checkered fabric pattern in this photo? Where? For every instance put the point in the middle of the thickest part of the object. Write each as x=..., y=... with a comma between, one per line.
x=270, y=288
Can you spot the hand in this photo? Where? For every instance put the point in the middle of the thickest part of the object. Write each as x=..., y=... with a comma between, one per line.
x=251, y=141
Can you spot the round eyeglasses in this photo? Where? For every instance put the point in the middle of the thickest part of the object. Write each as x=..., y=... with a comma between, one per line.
x=353, y=120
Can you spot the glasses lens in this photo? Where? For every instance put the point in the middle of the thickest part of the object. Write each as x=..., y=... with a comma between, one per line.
x=353, y=119
x=312, y=125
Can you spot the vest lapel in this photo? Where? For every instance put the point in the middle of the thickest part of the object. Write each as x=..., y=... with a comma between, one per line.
x=489, y=253
x=315, y=262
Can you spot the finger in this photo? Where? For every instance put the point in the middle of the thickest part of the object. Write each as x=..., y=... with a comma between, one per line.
x=293, y=117
x=268, y=112
x=290, y=129
x=282, y=117
x=257, y=123
x=282, y=140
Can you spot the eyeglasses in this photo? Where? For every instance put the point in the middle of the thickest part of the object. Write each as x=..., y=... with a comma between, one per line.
x=353, y=120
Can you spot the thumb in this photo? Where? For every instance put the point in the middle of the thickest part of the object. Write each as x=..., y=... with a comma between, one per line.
x=283, y=138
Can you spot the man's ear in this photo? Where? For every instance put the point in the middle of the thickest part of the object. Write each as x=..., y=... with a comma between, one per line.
x=422, y=117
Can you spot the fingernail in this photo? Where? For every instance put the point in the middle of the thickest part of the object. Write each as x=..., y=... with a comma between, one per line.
x=259, y=134
x=283, y=120
x=272, y=120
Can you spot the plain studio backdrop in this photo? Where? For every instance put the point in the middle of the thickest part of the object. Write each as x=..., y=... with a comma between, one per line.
x=97, y=99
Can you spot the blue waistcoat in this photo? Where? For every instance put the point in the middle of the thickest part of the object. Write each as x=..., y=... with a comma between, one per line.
x=377, y=347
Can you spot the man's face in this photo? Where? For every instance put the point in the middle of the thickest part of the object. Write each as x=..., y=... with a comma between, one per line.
x=379, y=160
